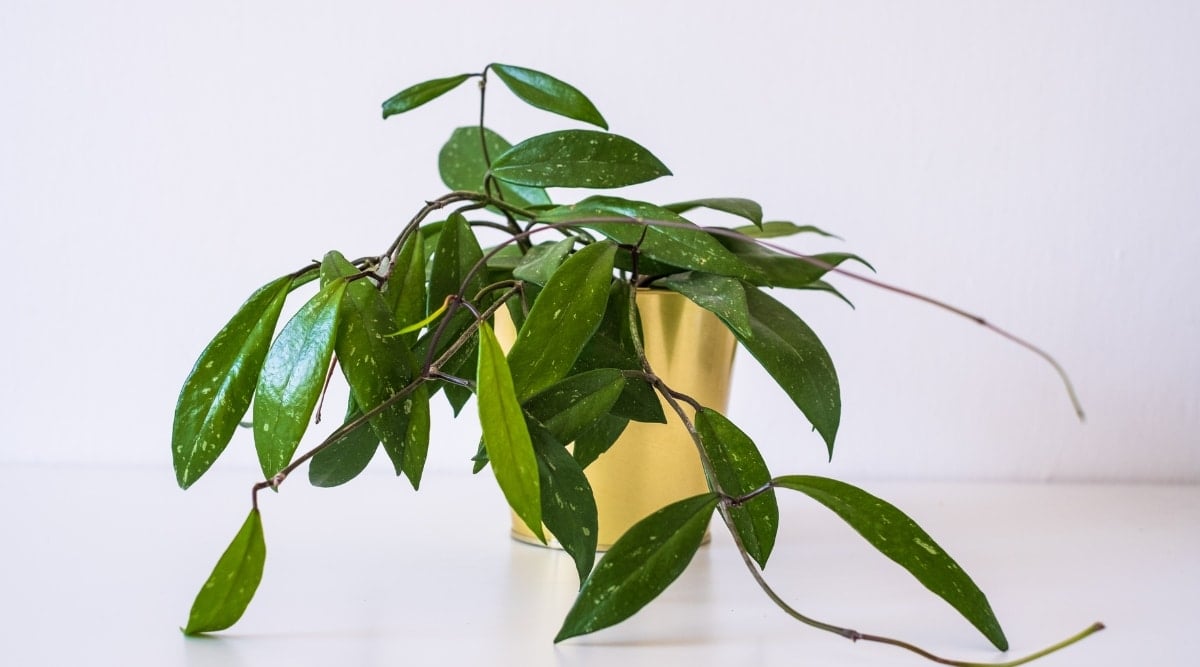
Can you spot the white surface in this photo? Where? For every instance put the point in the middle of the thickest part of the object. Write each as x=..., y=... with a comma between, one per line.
x=99, y=568
x=1034, y=161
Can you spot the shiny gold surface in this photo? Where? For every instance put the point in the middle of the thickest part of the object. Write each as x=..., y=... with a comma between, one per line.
x=652, y=465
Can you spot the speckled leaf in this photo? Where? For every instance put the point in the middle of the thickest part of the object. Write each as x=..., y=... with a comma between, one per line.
x=567, y=408
x=744, y=208
x=540, y=263
x=506, y=435
x=217, y=392
x=457, y=252
x=598, y=438
x=720, y=295
x=564, y=317
x=346, y=457
x=414, y=96
x=548, y=93
x=578, y=159
x=463, y=167
x=568, y=506
x=404, y=291
x=792, y=354
x=740, y=469
x=899, y=538
x=779, y=270
x=293, y=376
x=640, y=566
x=778, y=228
x=231, y=586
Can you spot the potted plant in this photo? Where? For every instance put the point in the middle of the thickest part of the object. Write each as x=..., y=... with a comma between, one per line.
x=420, y=318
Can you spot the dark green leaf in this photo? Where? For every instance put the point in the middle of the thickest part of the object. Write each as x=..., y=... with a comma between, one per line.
x=777, y=228
x=414, y=96
x=562, y=319
x=548, y=93
x=542, y=261
x=792, y=354
x=722, y=296
x=217, y=392
x=740, y=469
x=506, y=435
x=780, y=270
x=416, y=443
x=744, y=208
x=457, y=252
x=346, y=457
x=574, y=404
x=293, y=376
x=230, y=587
x=462, y=166
x=822, y=286
x=568, y=506
x=899, y=538
x=593, y=442
x=578, y=159
x=647, y=558
x=404, y=290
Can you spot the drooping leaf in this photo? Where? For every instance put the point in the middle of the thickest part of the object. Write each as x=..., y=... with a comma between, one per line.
x=230, y=587
x=792, y=354
x=720, y=295
x=414, y=96
x=217, y=392
x=578, y=159
x=404, y=291
x=597, y=439
x=506, y=435
x=899, y=538
x=564, y=317
x=293, y=376
x=822, y=286
x=416, y=443
x=568, y=506
x=570, y=406
x=545, y=92
x=743, y=208
x=780, y=270
x=463, y=166
x=778, y=228
x=347, y=457
x=640, y=566
x=740, y=469
x=540, y=263
x=457, y=252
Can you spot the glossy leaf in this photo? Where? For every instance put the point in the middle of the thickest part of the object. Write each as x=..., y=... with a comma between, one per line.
x=293, y=376
x=740, y=469
x=569, y=407
x=792, y=354
x=640, y=566
x=597, y=439
x=414, y=96
x=780, y=270
x=347, y=457
x=457, y=252
x=404, y=291
x=463, y=166
x=899, y=538
x=822, y=286
x=506, y=435
x=744, y=208
x=778, y=228
x=578, y=159
x=568, y=506
x=545, y=92
x=231, y=586
x=218, y=391
x=416, y=442
x=720, y=295
x=540, y=263
x=564, y=317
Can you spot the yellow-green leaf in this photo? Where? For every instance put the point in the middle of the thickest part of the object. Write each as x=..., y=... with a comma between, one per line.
x=230, y=587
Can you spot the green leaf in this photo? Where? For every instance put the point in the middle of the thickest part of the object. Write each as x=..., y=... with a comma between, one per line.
x=376, y=364
x=569, y=407
x=647, y=558
x=506, y=435
x=596, y=440
x=463, y=166
x=293, y=376
x=404, y=290
x=540, y=263
x=822, y=286
x=778, y=228
x=563, y=318
x=578, y=159
x=347, y=457
x=416, y=443
x=780, y=270
x=899, y=538
x=549, y=94
x=740, y=469
x=568, y=506
x=457, y=252
x=687, y=247
x=217, y=392
x=230, y=587
x=414, y=96
x=792, y=354
x=744, y=208
x=720, y=295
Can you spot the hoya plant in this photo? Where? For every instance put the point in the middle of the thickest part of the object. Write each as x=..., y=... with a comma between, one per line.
x=417, y=318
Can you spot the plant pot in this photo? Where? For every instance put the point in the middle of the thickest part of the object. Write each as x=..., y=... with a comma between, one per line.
x=653, y=465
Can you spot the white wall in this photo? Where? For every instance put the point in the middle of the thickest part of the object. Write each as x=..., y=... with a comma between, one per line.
x=1036, y=162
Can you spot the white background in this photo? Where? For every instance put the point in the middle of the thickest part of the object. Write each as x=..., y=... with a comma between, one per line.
x=1035, y=162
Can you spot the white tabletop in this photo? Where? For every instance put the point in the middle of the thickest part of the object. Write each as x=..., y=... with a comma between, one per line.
x=100, y=566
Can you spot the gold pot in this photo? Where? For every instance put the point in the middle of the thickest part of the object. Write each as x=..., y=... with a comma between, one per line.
x=653, y=465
